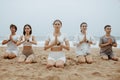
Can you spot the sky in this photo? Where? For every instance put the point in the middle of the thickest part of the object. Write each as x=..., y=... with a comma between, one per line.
x=40, y=14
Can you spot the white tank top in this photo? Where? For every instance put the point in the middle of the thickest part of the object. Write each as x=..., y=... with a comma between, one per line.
x=10, y=44
x=27, y=43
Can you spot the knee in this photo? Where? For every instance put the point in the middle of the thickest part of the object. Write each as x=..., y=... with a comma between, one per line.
x=81, y=60
x=21, y=59
x=115, y=58
x=6, y=55
x=89, y=59
x=28, y=60
x=105, y=57
x=59, y=64
x=11, y=56
x=49, y=65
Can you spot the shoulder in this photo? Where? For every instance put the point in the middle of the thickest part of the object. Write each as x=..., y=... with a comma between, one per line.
x=22, y=36
x=17, y=35
x=102, y=37
x=64, y=34
x=112, y=36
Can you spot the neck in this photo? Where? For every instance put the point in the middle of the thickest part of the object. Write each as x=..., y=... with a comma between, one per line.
x=107, y=34
x=57, y=32
x=84, y=32
x=27, y=34
x=13, y=33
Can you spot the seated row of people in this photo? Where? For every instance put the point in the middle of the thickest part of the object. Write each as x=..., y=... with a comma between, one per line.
x=56, y=42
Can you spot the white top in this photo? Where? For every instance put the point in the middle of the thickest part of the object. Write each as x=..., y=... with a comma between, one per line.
x=27, y=43
x=62, y=38
x=83, y=48
x=11, y=45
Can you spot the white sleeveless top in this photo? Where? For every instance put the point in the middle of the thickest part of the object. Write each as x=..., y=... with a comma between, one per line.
x=84, y=47
x=27, y=43
x=11, y=45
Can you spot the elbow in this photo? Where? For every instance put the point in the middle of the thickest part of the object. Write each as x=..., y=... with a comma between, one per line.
x=68, y=48
x=35, y=43
x=99, y=45
x=3, y=43
x=45, y=48
x=115, y=45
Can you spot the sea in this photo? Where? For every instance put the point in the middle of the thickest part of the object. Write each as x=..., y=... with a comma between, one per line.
x=41, y=41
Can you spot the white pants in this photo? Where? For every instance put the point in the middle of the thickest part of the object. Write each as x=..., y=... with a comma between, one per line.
x=56, y=56
x=13, y=52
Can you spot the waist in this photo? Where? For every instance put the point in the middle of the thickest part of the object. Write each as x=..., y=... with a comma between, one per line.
x=27, y=47
x=56, y=48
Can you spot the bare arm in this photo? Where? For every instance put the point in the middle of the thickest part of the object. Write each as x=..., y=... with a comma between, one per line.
x=33, y=40
x=19, y=42
x=114, y=44
x=47, y=46
x=5, y=42
x=11, y=39
x=66, y=46
x=106, y=44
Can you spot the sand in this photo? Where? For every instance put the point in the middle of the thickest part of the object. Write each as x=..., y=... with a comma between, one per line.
x=10, y=69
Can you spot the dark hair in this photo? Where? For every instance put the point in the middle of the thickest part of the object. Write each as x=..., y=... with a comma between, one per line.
x=24, y=29
x=107, y=26
x=57, y=20
x=82, y=24
x=12, y=25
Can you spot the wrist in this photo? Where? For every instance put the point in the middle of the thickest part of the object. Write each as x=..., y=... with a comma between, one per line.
x=8, y=40
x=81, y=42
x=58, y=43
x=87, y=41
x=28, y=40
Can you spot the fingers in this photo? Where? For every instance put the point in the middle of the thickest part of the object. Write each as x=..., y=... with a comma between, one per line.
x=110, y=41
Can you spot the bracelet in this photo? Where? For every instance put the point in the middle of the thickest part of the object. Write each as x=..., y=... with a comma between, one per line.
x=87, y=41
x=28, y=40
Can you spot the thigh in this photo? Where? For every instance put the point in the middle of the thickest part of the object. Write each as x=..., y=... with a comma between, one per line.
x=15, y=52
x=89, y=59
x=8, y=54
x=30, y=59
x=21, y=58
x=62, y=59
x=114, y=57
x=60, y=63
x=104, y=56
x=11, y=55
x=50, y=63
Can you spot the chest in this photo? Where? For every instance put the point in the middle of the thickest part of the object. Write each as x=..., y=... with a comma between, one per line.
x=105, y=40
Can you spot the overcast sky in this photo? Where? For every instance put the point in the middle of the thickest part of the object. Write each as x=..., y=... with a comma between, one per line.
x=40, y=14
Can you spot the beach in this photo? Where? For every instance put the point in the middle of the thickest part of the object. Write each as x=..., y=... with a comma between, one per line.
x=99, y=70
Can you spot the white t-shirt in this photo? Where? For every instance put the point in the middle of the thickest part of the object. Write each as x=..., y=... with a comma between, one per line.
x=84, y=47
x=11, y=45
x=62, y=38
